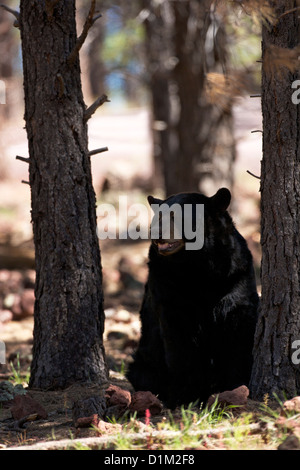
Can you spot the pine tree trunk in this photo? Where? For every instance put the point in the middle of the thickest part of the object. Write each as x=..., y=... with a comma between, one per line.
x=279, y=320
x=69, y=317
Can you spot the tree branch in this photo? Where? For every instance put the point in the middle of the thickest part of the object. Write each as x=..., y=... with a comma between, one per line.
x=23, y=159
x=90, y=20
x=90, y=111
x=13, y=12
x=94, y=152
x=292, y=10
x=258, y=177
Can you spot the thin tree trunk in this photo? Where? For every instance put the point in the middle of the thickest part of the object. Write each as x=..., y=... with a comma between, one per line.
x=68, y=318
x=279, y=320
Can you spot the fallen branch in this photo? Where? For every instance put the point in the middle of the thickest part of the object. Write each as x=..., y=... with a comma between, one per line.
x=96, y=442
x=94, y=152
x=91, y=109
x=18, y=425
x=90, y=20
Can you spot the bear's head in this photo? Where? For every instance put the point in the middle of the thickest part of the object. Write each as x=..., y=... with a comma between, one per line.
x=179, y=220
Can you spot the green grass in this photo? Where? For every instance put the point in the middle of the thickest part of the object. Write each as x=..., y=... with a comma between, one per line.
x=17, y=377
x=174, y=431
x=195, y=427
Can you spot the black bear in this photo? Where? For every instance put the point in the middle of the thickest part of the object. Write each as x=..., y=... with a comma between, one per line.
x=199, y=310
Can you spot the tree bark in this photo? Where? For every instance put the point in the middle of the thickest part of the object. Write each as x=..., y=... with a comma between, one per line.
x=279, y=320
x=69, y=316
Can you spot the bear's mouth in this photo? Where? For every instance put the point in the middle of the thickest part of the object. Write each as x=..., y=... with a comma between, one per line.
x=168, y=247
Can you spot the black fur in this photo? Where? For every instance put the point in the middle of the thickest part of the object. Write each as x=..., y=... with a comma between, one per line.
x=199, y=313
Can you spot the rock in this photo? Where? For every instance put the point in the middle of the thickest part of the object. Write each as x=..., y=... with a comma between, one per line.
x=27, y=302
x=288, y=424
x=141, y=401
x=29, y=279
x=24, y=405
x=291, y=407
x=107, y=428
x=123, y=316
x=117, y=400
x=117, y=396
x=13, y=303
x=109, y=312
x=237, y=397
x=5, y=316
x=117, y=336
x=11, y=300
x=10, y=281
x=86, y=407
x=87, y=421
x=290, y=443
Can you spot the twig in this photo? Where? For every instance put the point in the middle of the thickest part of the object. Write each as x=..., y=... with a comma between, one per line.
x=18, y=425
x=13, y=12
x=90, y=20
x=23, y=159
x=94, y=152
x=287, y=12
x=257, y=130
x=258, y=177
x=91, y=109
x=25, y=182
x=255, y=96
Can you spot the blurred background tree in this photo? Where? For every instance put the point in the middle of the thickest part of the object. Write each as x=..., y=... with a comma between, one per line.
x=187, y=61
x=194, y=141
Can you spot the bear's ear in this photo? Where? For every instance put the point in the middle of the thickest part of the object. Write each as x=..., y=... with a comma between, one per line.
x=221, y=200
x=154, y=200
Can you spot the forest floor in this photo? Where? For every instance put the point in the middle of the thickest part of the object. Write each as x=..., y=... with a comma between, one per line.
x=255, y=426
